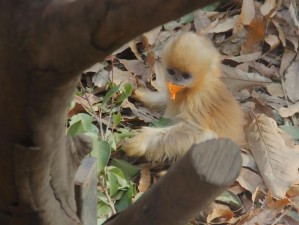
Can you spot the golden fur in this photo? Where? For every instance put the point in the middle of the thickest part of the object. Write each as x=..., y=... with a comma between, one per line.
x=204, y=109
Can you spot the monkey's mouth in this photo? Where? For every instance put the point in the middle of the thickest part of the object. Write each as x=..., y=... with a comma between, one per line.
x=173, y=89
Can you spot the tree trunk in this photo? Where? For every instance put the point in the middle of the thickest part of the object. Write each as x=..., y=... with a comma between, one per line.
x=44, y=45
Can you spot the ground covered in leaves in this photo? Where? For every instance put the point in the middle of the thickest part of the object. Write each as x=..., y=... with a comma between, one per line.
x=258, y=41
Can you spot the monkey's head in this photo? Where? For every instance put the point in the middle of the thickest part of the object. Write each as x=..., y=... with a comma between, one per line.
x=190, y=60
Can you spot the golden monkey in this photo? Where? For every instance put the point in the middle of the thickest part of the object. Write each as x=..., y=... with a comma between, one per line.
x=198, y=103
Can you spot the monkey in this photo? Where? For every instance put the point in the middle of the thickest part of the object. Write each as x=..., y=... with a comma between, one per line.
x=194, y=98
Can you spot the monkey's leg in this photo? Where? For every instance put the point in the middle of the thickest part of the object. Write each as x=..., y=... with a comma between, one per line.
x=158, y=144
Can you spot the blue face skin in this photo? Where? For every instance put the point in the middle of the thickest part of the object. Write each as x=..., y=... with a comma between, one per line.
x=178, y=78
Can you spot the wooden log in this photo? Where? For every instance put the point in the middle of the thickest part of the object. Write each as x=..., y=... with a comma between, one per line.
x=86, y=191
x=188, y=187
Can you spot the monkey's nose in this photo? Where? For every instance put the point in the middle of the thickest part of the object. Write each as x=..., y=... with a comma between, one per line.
x=177, y=78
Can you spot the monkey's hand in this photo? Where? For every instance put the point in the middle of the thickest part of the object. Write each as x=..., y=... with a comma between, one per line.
x=155, y=100
x=159, y=144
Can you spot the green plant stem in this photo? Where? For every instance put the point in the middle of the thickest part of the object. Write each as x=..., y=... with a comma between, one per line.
x=98, y=119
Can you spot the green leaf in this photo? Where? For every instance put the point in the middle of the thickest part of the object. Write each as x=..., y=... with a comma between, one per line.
x=110, y=93
x=125, y=200
x=129, y=170
x=187, y=18
x=81, y=123
x=119, y=176
x=229, y=198
x=104, y=209
x=127, y=91
x=161, y=122
x=104, y=154
x=292, y=130
x=113, y=183
x=211, y=7
x=116, y=119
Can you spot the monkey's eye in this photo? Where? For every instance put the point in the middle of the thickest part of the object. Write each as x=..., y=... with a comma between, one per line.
x=170, y=71
x=186, y=75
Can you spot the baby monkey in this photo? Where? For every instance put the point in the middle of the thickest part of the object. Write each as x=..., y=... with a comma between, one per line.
x=196, y=100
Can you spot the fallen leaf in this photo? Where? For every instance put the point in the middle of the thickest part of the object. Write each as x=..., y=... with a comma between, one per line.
x=201, y=21
x=133, y=47
x=101, y=79
x=287, y=58
x=277, y=164
x=289, y=111
x=237, y=80
x=292, y=81
x=248, y=161
x=249, y=180
x=281, y=34
x=95, y=68
x=273, y=41
x=256, y=33
x=152, y=35
x=244, y=58
x=275, y=89
x=271, y=71
x=226, y=25
x=220, y=215
x=145, y=179
x=273, y=101
x=294, y=13
x=121, y=77
x=136, y=67
x=267, y=7
x=247, y=12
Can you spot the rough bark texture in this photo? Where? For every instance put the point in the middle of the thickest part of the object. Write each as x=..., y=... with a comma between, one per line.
x=44, y=45
x=188, y=187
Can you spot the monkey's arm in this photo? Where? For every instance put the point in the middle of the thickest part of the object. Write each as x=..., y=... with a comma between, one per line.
x=155, y=100
x=157, y=144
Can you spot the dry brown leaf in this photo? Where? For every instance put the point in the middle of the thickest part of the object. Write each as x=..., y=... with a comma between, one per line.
x=95, y=68
x=271, y=72
x=256, y=33
x=248, y=161
x=290, y=111
x=292, y=81
x=248, y=12
x=281, y=34
x=287, y=58
x=275, y=89
x=101, y=79
x=133, y=47
x=136, y=67
x=250, y=180
x=244, y=58
x=221, y=215
x=145, y=179
x=141, y=113
x=226, y=25
x=276, y=162
x=237, y=80
x=294, y=13
x=201, y=21
x=267, y=7
x=152, y=35
x=121, y=77
x=273, y=41
x=273, y=101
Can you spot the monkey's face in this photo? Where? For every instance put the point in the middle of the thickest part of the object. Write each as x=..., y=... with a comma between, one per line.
x=179, y=78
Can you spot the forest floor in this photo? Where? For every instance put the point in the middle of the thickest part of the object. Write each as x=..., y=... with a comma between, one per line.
x=258, y=42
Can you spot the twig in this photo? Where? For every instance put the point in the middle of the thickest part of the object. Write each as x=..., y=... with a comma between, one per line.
x=98, y=119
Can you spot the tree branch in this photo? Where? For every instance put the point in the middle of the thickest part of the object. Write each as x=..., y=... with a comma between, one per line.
x=188, y=187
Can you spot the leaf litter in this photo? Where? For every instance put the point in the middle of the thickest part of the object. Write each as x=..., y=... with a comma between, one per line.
x=259, y=43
